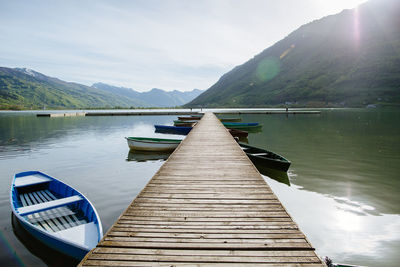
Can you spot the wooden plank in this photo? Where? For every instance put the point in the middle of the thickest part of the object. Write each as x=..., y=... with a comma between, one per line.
x=208, y=225
x=206, y=206
x=208, y=201
x=222, y=253
x=132, y=263
x=237, y=230
x=209, y=259
x=221, y=235
x=199, y=209
x=139, y=243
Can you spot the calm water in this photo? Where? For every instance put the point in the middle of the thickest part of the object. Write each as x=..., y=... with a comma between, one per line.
x=344, y=191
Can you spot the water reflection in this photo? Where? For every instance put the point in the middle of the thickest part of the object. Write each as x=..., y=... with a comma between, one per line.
x=143, y=156
x=276, y=175
x=344, y=191
x=352, y=154
x=50, y=256
x=343, y=230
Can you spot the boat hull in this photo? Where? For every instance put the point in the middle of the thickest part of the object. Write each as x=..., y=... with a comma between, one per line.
x=240, y=123
x=172, y=129
x=184, y=123
x=189, y=118
x=269, y=159
x=230, y=119
x=55, y=214
x=238, y=133
x=247, y=128
x=151, y=146
x=62, y=247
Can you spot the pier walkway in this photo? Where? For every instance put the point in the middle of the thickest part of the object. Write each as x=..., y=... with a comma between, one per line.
x=206, y=206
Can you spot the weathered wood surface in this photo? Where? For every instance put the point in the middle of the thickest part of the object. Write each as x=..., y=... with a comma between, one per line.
x=206, y=206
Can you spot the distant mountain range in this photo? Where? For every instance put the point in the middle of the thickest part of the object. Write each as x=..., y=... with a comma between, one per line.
x=22, y=88
x=153, y=98
x=348, y=59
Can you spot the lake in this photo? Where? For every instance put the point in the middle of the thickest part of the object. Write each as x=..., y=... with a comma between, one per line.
x=344, y=188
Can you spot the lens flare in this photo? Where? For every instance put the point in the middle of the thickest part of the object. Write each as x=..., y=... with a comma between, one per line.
x=267, y=69
x=287, y=51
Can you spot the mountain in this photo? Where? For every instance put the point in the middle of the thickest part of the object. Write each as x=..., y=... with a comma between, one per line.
x=348, y=59
x=22, y=88
x=155, y=97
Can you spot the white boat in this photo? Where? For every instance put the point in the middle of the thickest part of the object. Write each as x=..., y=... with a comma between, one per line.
x=152, y=144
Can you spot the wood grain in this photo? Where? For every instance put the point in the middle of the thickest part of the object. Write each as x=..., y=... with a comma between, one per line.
x=206, y=206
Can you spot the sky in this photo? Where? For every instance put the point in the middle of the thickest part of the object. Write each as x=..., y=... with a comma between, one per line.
x=145, y=44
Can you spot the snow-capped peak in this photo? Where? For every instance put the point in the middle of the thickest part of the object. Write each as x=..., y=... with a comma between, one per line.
x=27, y=71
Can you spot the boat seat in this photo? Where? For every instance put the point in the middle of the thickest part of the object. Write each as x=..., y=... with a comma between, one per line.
x=83, y=235
x=30, y=180
x=48, y=205
x=258, y=154
x=53, y=220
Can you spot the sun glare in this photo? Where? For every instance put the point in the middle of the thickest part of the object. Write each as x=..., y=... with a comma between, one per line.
x=356, y=27
x=349, y=221
x=332, y=7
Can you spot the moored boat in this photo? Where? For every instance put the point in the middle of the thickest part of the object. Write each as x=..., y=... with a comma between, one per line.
x=248, y=128
x=240, y=124
x=172, y=129
x=184, y=124
x=264, y=157
x=230, y=119
x=54, y=213
x=177, y=122
x=152, y=144
x=238, y=133
x=192, y=118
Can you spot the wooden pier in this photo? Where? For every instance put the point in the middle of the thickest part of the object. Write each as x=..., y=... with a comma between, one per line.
x=206, y=206
x=57, y=115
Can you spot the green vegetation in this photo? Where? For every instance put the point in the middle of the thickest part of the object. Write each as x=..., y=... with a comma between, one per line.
x=20, y=89
x=350, y=59
x=27, y=89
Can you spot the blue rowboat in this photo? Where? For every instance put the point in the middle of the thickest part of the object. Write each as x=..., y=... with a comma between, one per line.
x=172, y=129
x=55, y=213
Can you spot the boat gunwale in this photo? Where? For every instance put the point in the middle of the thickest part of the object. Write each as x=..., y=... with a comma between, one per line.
x=283, y=159
x=171, y=127
x=154, y=140
x=240, y=123
x=48, y=234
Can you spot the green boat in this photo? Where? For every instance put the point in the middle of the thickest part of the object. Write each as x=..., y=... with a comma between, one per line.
x=179, y=121
x=230, y=119
x=248, y=128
